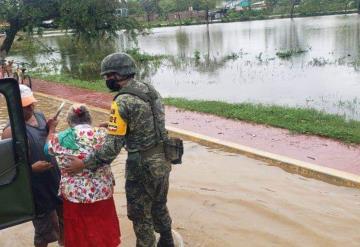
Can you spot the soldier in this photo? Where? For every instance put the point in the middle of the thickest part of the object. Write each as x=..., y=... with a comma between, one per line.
x=137, y=121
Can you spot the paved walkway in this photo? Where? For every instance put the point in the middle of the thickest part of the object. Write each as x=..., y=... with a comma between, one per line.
x=312, y=149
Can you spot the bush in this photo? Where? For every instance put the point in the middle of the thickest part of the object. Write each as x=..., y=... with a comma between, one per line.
x=288, y=54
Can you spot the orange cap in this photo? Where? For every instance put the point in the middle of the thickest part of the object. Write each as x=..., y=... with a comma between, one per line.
x=27, y=96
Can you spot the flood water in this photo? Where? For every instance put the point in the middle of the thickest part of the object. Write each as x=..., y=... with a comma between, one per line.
x=237, y=62
x=218, y=198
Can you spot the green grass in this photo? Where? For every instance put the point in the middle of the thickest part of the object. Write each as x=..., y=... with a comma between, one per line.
x=288, y=54
x=296, y=120
x=143, y=57
x=25, y=45
x=98, y=85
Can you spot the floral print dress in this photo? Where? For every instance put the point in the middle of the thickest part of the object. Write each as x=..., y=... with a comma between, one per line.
x=88, y=186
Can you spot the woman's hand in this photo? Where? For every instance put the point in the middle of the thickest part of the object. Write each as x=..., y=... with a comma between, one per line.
x=74, y=166
x=103, y=125
x=51, y=124
x=41, y=166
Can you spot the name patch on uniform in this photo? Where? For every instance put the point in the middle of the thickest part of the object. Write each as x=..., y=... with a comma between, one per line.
x=117, y=125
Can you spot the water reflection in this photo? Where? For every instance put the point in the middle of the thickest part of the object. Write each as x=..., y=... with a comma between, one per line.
x=289, y=39
x=347, y=41
x=241, y=58
x=82, y=58
x=182, y=41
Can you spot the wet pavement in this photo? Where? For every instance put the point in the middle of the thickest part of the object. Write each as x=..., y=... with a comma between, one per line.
x=317, y=150
x=218, y=198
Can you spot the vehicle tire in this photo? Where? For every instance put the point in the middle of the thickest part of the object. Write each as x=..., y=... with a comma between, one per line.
x=16, y=76
x=27, y=81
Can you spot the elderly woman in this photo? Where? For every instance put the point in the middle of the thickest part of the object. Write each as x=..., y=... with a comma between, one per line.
x=90, y=217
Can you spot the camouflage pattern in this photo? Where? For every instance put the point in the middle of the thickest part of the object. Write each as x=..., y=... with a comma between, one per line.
x=120, y=63
x=147, y=170
x=146, y=205
x=141, y=132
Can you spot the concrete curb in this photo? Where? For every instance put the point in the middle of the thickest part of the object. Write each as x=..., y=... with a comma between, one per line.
x=305, y=169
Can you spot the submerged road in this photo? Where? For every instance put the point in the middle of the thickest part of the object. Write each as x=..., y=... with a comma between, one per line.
x=221, y=199
x=218, y=198
x=313, y=149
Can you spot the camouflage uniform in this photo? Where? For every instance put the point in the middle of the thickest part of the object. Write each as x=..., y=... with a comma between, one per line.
x=147, y=170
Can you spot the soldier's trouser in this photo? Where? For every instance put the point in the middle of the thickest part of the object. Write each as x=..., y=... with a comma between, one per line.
x=146, y=206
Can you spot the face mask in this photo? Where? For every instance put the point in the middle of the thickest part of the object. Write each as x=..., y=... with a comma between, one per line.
x=113, y=85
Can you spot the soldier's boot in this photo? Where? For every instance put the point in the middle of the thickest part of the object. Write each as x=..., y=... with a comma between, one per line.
x=166, y=239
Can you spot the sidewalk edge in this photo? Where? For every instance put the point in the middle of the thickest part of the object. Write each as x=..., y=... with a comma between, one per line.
x=305, y=169
x=294, y=166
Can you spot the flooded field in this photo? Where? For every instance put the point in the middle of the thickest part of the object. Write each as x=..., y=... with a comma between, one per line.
x=306, y=62
x=223, y=199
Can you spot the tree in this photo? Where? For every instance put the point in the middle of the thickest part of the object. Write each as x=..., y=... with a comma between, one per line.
x=270, y=4
x=170, y=6
x=292, y=6
x=203, y=4
x=21, y=14
x=167, y=6
x=347, y=4
x=90, y=18
x=135, y=8
x=182, y=5
x=358, y=6
x=150, y=7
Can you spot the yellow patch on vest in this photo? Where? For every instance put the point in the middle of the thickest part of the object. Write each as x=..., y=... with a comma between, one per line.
x=117, y=126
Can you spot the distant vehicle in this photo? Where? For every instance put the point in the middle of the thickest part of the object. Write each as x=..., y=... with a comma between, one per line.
x=49, y=24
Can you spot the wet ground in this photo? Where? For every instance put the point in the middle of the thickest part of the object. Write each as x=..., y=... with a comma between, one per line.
x=222, y=199
x=313, y=149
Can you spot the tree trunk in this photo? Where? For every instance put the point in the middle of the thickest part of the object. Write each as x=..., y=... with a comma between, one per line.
x=346, y=5
x=292, y=8
x=179, y=17
x=207, y=14
x=358, y=7
x=10, y=37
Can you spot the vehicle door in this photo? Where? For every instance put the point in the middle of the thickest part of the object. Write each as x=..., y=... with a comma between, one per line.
x=16, y=199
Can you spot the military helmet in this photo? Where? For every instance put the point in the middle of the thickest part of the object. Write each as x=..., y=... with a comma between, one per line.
x=120, y=63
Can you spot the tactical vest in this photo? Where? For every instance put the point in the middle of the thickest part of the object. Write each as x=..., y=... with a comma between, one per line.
x=150, y=97
x=173, y=147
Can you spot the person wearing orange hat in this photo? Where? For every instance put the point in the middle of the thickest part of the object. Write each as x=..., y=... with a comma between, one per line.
x=45, y=175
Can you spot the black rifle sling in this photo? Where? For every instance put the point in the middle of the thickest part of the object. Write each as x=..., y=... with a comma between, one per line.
x=149, y=97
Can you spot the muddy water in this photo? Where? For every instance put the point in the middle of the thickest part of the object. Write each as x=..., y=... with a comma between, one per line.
x=237, y=62
x=222, y=199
